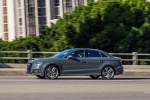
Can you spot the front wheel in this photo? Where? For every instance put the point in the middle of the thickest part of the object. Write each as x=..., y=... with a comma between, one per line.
x=52, y=72
x=108, y=72
x=95, y=76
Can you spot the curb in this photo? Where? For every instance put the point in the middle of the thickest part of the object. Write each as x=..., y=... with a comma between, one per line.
x=12, y=72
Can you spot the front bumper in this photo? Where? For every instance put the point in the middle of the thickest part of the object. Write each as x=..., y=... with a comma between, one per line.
x=119, y=70
x=33, y=70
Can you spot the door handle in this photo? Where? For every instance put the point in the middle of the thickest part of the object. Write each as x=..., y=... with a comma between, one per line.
x=83, y=61
x=101, y=61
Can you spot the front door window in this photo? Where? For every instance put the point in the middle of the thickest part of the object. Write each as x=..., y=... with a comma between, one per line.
x=78, y=54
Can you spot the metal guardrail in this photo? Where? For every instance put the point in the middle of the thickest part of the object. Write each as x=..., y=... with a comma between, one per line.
x=30, y=53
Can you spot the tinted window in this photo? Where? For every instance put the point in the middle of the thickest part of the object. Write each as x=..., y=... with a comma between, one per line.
x=103, y=55
x=78, y=53
x=92, y=53
x=63, y=53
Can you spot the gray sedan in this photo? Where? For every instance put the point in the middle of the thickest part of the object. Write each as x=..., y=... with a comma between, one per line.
x=77, y=61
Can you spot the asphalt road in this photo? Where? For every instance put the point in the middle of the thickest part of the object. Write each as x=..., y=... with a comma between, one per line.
x=74, y=88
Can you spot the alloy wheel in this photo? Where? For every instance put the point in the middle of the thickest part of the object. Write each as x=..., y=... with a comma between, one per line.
x=108, y=72
x=52, y=72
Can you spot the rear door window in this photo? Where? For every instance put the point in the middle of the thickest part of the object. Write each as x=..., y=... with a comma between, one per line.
x=92, y=53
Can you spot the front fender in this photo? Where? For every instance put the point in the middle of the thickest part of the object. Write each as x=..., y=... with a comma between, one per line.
x=44, y=66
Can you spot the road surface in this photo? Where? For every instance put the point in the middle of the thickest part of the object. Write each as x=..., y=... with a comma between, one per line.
x=74, y=88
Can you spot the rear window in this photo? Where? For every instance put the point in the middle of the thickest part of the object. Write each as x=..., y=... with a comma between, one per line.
x=103, y=55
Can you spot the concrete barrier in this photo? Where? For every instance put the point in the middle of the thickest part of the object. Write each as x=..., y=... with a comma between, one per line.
x=3, y=65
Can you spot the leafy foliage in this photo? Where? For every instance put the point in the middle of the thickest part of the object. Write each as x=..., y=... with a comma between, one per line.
x=110, y=25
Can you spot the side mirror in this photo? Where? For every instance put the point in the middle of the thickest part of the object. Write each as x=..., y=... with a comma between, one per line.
x=69, y=57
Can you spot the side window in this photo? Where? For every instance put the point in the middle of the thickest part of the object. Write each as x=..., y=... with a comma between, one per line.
x=92, y=53
x=78, y=53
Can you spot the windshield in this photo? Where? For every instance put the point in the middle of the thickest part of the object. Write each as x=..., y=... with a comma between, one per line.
x=63, y=53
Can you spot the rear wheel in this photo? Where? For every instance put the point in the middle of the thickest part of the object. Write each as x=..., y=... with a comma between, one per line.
x=52, y=72
x=108, y=72
x=42, y=77
x=95, y=76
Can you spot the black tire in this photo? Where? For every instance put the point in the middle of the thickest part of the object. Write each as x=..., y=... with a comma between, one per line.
x=41, y=77
x=51, y=72
x=108, y=73
x=94, y=76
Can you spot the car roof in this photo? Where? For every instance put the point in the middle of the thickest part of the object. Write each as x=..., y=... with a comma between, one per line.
x=92, y=49
x=85, y=49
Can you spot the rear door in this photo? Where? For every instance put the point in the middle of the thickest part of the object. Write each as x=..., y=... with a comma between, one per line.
x=94, y=60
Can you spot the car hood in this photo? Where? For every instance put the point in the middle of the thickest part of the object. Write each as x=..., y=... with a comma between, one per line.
x=44, y=59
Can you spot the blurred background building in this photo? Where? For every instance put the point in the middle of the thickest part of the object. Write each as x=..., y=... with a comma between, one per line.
x=22, y=18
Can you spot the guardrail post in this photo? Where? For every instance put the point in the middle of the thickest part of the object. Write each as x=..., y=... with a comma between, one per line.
x=29, y=55
x=135, y=58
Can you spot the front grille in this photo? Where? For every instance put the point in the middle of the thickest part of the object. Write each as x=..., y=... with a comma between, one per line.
x=29, y=65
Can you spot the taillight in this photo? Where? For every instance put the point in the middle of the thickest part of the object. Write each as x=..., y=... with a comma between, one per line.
x=120, y=61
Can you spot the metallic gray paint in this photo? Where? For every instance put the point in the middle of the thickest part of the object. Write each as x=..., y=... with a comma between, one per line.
x=80, y=66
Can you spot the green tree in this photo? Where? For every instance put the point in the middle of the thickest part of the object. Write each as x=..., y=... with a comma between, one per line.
x=110, y=25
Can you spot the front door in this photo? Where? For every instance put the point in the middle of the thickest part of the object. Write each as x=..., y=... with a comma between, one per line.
x=75, y=65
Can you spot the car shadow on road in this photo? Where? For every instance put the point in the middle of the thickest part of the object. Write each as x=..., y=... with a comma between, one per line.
x=81, y=78
x=137, y=78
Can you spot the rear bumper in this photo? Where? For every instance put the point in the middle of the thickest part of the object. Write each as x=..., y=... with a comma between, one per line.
x=119, y=70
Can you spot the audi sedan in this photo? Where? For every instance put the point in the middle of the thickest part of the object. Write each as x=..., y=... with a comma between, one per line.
x=79, y=62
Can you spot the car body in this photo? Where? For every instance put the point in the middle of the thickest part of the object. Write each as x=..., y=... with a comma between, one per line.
x=77, y=61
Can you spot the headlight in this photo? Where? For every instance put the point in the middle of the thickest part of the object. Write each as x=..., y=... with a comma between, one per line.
x=37, y=64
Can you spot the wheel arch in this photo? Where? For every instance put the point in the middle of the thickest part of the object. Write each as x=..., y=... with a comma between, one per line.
x=54, y=65
x=109, y=66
